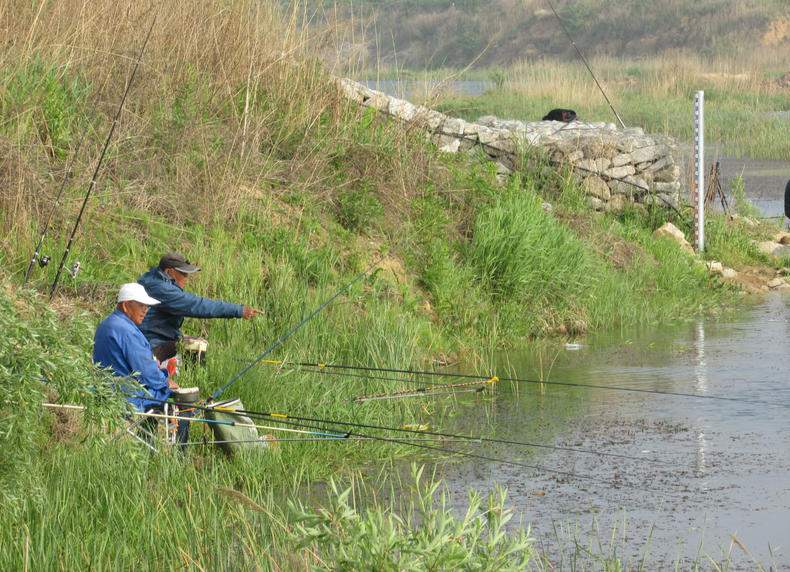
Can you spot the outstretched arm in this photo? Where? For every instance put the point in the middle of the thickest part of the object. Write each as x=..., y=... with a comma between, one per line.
x=182, y=303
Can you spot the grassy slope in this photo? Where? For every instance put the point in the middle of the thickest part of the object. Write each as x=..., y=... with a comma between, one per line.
x=255, y=168
x=453, y=33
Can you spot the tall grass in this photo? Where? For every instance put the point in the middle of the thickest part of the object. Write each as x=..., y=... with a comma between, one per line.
x=110, y=503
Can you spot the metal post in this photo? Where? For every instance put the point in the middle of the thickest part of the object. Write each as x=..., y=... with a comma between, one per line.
x=699, y=168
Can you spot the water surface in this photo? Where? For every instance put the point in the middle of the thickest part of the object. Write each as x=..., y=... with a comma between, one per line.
x=727, y=468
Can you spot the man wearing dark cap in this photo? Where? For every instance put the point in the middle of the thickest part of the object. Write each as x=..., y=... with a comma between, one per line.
x=162, y=324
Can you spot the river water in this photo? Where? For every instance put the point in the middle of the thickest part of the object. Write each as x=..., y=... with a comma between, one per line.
x=726, y=464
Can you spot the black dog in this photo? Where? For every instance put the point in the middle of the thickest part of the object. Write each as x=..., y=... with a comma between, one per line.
x=564, y=115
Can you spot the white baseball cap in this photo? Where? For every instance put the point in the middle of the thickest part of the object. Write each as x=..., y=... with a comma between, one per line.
x=135, y=292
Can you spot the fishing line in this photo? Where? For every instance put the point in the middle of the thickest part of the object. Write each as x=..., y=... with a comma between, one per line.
x=92, y=184
x=316, y=367
x=298, y=422
x=281, y=340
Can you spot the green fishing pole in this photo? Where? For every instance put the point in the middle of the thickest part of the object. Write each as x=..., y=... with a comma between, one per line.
x=281, y=340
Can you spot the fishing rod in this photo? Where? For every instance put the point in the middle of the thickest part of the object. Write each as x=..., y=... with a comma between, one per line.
x=445, y=450
x=294, y=421
x=297, y=421
x=226, y=422
x=277, y=440
x=477, y=386
x=586, y=63
x=45, y=228
x=319, y=367
x=423, y=392
x=95, y=176
x=434, y=388
x=280, y=418
x=282, y=339
x=307, y=368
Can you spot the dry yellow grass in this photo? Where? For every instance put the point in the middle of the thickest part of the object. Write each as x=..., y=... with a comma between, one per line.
x=673, y=74
x=231, y=103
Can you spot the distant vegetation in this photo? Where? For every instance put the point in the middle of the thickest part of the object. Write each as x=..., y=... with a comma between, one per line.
x=453, y=33
x=654, y=93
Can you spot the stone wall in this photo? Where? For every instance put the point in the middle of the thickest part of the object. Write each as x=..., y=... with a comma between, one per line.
x=614, y=166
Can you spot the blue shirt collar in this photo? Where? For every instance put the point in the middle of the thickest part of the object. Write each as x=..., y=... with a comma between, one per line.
x=119, y=313
x=165, y=277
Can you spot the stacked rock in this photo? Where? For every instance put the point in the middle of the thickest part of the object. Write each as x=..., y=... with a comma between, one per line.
x=615, y=166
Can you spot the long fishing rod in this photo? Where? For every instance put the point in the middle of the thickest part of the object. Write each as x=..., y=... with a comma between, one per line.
x=278, y=440
x=45, y=228
x=298, y=421
x=281, y=340
x=95, y=176
x=281, y=418
x=452, y=389
x=308, y=368
x=319, y=367
x=586, y=63
x=445, y=450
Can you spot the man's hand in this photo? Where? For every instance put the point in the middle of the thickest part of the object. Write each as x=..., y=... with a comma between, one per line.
x=248, y=312
x=171, y=384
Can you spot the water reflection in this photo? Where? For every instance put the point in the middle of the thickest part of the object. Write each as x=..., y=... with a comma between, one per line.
x=701, y=383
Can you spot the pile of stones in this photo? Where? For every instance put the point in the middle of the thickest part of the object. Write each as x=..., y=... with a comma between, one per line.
x=615, y=166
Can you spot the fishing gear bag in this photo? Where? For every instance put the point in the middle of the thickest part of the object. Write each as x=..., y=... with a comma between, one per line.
x=233, y=439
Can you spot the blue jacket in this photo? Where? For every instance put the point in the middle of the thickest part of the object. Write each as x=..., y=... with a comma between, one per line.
x=120, y=345
x=163, y=321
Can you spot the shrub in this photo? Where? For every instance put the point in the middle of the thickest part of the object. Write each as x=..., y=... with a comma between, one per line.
x=427, y=537
x=358, y=209
x=39, y=358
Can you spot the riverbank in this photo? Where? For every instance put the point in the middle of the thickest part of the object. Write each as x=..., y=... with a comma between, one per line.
x=282, y=191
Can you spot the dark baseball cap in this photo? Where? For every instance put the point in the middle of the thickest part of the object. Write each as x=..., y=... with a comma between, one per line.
x=178, y=262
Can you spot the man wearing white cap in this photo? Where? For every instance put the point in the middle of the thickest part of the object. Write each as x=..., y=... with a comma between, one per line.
x=120, y=345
